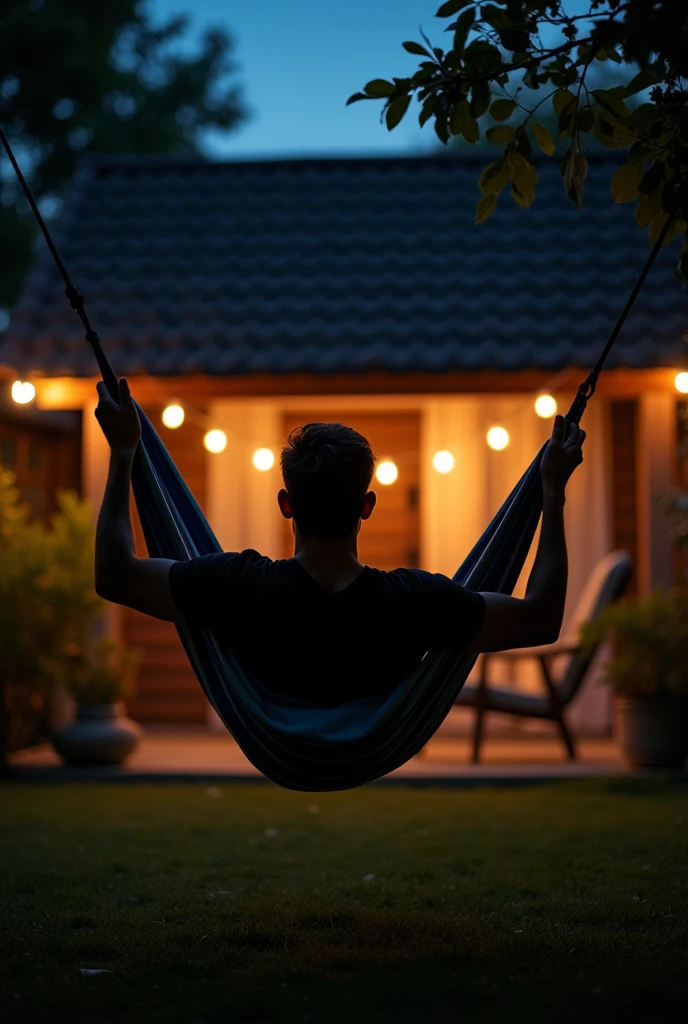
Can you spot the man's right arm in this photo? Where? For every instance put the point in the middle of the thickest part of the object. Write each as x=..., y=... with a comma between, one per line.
x=536, y=618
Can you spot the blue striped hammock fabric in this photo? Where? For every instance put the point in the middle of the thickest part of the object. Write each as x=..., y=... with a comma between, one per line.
x=297, y=745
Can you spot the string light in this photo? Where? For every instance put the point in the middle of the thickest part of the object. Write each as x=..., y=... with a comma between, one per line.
x=681, y=382
x=23, y=392
x=443, y=461
x=263, y=459
x=387, y=472
x=173, y=416
x=545, y=406
x=215, y=441
x=498, y=438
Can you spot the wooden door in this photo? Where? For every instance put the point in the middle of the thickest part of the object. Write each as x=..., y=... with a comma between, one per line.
x=390, y=538
x=44, y=460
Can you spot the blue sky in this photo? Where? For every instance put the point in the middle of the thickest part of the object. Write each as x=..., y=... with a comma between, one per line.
x=301, y=59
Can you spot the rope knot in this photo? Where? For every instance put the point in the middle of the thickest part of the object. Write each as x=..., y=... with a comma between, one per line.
x=75, y=298
x=92, y=338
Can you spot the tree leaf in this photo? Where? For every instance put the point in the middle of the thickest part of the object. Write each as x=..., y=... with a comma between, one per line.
x=480, y=98
x=427, y=111
x=356, y=97
x=613, y=134
x=652, y=178
x=396, y=110
x=648, y=207
x=501, y=110
x=625, y=181
x=378, y=88
x=463, y=27
x=544, y=139
x=574, y=168
x=416, y=48
x=485, y=208
x=494, y=178
x=562, y=99
x=610, y=102
x=645, y=79
x=500, y=135
x=463, y=123
x=451, y=7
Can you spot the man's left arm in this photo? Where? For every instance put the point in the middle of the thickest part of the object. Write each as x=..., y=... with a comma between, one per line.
x=121, y=577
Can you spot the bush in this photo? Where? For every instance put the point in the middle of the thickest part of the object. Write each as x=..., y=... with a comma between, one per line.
x=650, y=641
x=48, y=604
x=101, y=673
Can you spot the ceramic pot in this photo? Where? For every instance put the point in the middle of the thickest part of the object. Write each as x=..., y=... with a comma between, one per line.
x=652, y=732
x=101, y=734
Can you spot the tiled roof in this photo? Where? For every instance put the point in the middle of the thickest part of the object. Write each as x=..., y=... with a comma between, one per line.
x=340, y=265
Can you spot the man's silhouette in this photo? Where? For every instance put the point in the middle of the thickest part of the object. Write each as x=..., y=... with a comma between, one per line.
x=321, y=626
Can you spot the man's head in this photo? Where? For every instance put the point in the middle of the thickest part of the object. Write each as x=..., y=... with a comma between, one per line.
x=327, y=469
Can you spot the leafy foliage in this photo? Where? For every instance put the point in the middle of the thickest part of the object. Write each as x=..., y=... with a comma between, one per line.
x=100, y=673
x=650, y=644
x=497, y=62
x=75, y=76
x=48, y=604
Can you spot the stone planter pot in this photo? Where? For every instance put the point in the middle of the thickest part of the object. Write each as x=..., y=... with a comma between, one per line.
x=652, y=732
x=101, y=734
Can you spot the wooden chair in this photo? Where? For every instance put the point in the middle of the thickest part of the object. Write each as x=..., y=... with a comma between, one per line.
x=606, y=584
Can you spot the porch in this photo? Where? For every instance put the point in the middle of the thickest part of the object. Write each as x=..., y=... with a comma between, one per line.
x=511, y=754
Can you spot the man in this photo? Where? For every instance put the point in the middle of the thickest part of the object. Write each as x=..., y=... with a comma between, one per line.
x=321, y=626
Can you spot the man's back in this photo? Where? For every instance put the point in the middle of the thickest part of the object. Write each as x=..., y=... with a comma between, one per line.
x=324, y=647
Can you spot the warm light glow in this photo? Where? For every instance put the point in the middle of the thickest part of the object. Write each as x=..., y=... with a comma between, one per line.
x=215, y=441
x=386, y=473
x=681, y=382
x=263, y=459
x=23, y=392
x=545, y=406
x=498, y=438
x=443, y=461
x=173, y=416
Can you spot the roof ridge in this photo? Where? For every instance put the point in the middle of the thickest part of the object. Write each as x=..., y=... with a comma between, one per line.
x=96, y=161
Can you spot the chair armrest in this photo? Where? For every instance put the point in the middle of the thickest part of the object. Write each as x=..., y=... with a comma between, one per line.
x=544, y=651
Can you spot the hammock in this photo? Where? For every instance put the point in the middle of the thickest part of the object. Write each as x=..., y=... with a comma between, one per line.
x=295, y=744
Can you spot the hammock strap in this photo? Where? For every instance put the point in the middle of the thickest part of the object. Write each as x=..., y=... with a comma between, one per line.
x=583, y=395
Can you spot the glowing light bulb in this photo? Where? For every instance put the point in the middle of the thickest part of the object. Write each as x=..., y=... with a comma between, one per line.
x=443, y=461
x=386, y=473
x=498, y=438
x=681, y=382
x=173, y=416
x=263, y=459
x=215, y=441
x=545, y=406
x=23, y=392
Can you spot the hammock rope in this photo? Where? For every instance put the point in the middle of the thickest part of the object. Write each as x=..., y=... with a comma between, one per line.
x=298, y=745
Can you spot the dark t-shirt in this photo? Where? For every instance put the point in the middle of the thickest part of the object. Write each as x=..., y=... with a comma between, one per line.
x=321, y=647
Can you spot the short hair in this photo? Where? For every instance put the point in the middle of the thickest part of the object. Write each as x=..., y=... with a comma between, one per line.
x=327, y=469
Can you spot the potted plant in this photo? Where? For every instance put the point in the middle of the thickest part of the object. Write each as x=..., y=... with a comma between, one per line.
x=648, y=672
x=99, y=678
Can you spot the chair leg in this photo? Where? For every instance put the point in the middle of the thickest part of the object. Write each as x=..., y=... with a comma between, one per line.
x=480, y=709
x=565, y=734
x=557, y=709
x=478, y=732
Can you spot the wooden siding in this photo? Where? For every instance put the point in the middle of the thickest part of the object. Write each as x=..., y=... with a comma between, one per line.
x=168, y=691
x=624, y=430
x=391, y=537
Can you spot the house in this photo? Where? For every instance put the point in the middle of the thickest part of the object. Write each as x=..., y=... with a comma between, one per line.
x=261, y=295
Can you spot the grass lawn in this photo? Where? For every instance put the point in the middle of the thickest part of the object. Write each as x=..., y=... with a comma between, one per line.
x=250, y=904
